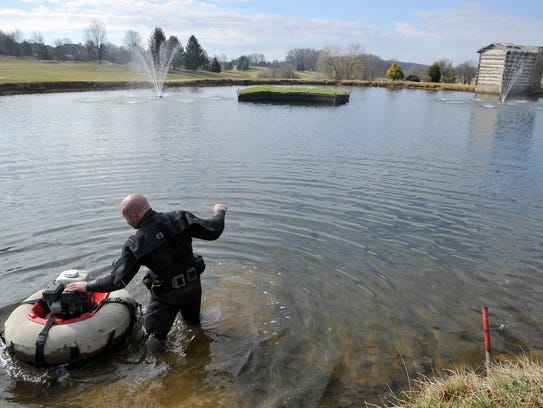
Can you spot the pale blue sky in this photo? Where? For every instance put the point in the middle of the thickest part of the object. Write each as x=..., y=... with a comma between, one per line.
x=413, y=31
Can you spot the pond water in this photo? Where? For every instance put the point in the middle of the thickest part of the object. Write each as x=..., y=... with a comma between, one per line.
x=360, y=245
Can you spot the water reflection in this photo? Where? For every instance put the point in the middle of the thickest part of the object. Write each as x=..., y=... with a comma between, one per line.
x=361, y=243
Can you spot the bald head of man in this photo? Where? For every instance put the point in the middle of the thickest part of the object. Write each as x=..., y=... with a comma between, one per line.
x=133, y=207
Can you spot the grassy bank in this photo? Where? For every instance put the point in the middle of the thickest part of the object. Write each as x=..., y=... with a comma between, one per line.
x=433, y=86
x=510, y=384
x=19, y=75
x=19, y=70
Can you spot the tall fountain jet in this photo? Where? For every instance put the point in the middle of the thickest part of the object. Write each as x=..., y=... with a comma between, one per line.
x=157, y=65
x=511, y=76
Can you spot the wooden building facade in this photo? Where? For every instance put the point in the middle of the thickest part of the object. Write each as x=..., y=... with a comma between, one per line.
x=510, y=69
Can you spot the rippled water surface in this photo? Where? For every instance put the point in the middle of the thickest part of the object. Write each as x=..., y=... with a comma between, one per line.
x=360, y=244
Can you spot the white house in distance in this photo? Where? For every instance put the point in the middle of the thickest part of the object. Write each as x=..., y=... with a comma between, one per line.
x=510, y=68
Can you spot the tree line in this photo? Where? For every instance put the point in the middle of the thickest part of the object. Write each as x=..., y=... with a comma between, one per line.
x=440, y=71
x=97, y=47
x=338, y=63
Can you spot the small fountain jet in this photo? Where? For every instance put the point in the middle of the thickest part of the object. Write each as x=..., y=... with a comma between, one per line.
x=157, y=66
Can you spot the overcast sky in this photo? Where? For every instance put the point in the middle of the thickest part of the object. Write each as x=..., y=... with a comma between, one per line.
x=411, y=31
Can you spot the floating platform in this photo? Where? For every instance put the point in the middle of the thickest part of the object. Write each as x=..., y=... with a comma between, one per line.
x=292, y=95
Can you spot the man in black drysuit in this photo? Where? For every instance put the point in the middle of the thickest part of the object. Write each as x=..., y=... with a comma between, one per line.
x=163, y=243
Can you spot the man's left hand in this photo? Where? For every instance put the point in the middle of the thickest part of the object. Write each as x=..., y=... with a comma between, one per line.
x=80, y=286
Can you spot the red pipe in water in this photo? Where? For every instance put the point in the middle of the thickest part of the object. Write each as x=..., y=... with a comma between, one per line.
x=486, y=328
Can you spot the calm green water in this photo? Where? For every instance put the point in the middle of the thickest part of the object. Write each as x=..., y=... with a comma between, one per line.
x=361, y=242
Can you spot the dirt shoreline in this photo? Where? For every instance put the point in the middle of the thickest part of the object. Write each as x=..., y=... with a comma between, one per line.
x=82, y=86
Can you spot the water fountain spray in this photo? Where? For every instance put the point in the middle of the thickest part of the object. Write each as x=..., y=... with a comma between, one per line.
x=157, y=68
x=510, y=77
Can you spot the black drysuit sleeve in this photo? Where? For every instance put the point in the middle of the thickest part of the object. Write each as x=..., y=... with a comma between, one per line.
x=126, y=267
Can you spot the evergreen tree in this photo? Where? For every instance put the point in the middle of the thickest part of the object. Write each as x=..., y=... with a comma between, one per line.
x=395, y=72
x=434, y=72
x=228, y=65
x=243, y=63
x=175, y=51
x=215, y=66
x=412, y=78
x=195, y=56
x=155, y=42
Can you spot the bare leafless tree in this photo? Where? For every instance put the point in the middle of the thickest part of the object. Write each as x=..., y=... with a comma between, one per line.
x=17, y=35
x=37, y=44
x=302, y=59
x=328, y=61
x=278, y=70
x=338, y=64
x=467, y=71
x=132, y=40
x=369, y=67
x=351, y=58
x=256, y=59
x=95, y=40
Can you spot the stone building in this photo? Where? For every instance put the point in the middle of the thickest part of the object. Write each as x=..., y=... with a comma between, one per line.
x=509, y=69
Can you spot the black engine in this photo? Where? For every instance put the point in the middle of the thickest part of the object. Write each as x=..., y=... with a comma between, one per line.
x=67, y=304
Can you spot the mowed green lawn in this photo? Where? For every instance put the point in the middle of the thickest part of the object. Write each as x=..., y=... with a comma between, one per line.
x=290, y=90
x=22, y=70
